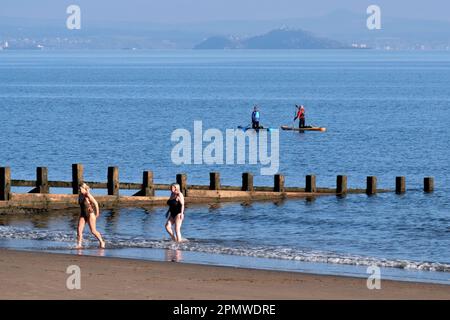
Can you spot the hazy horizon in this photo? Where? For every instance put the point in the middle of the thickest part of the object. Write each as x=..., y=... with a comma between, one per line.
x=193, y=11
x=187, y=23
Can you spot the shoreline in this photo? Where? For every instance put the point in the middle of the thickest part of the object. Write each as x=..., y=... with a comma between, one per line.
x=35, y=275
x=165, y=254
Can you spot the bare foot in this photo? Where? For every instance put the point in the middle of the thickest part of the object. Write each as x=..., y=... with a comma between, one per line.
x=79, y=246
x=102, y=244
x=182, y=240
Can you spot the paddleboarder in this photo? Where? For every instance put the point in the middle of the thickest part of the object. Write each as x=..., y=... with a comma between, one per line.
x=301, y=115
x=255, y=118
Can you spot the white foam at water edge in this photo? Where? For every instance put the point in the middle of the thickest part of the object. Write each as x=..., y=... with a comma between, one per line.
x=275, y=252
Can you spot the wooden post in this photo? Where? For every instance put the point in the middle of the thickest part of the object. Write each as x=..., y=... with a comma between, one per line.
x=247, y=181
x=77, y=176
x=310, y=183
x=214, y=181
x=428, y=184
x=400, y=185
x=182, y=181
x=113, y=181
x=278, y=183
x=341, y=184
x=371, y=185
x=148, y=189
x=5, y=183
x=42, y=180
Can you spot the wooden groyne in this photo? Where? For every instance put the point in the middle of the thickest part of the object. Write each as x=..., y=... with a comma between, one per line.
x=40, y=198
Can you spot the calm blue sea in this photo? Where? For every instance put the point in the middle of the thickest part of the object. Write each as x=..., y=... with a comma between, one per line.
x=387, y=114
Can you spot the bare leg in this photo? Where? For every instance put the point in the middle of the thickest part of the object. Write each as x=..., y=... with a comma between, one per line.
x=81, y=224
x=93, y=226
x=178, y=223
x=169, y=229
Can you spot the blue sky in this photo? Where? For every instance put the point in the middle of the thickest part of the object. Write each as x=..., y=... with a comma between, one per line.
x=173, y=11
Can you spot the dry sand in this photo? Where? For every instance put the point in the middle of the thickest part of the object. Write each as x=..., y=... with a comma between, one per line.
x=30, y=275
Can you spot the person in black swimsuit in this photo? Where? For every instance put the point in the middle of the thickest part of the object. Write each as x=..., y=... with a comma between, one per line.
x=175, y=214
x=90, y=211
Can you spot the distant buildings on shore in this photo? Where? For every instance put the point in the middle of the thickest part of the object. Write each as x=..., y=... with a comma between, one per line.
x=276, y=39
x=360, y=46
x=21, y=43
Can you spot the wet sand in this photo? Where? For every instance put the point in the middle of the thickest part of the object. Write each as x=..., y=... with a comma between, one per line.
x=31, y=275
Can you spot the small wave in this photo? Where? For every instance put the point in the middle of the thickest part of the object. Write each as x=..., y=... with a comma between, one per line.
x=204, y=246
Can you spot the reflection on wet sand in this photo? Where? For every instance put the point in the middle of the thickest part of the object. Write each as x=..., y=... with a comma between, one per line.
x=174, y=255
x=99, y=252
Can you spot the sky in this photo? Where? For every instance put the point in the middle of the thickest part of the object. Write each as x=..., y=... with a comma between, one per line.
x=181, y=11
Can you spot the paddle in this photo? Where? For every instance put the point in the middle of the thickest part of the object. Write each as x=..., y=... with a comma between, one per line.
x=295, y=115
x=245, y=127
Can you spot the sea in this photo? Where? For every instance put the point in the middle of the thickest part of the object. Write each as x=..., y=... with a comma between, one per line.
x=387, y=114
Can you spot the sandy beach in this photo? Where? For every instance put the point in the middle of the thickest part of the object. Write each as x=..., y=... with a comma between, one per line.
x=31, y=275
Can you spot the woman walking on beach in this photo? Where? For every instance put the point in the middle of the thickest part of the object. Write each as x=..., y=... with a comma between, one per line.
x=175, y=214
x=90, y=211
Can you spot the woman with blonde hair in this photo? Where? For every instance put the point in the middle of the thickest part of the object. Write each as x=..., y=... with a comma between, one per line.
x=175, y=214
x=90, y=211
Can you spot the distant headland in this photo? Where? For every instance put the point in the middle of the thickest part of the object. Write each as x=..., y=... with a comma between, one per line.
x=276, y=39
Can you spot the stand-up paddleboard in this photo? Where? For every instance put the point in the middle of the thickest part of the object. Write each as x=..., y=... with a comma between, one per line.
x=308, y=128
x=258, y=129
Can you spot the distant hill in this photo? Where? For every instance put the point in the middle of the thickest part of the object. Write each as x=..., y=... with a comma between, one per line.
x=219, y=42
x=275, y=39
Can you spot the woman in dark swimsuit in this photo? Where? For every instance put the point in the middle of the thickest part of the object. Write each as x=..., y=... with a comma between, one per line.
x=175, y=214
x=88, y=215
